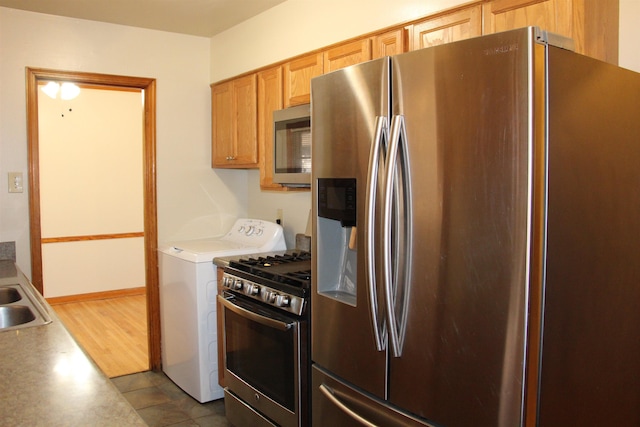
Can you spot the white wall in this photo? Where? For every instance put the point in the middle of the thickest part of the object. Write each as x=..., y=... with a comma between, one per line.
x=629, y=35
x=193, y=199
x=78, y=142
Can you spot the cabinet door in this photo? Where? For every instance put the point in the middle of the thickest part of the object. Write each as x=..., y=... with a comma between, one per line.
x=269, y=100
x=388, y=44
x=234, y=123
x=246, y=128
x=551, y=15
x=459, y=25
x=297, y=78
x=222, y=146
x=592, y=24
x=347, y=54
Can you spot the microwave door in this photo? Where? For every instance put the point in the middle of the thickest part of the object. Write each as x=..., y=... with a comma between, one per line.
x=292, y=146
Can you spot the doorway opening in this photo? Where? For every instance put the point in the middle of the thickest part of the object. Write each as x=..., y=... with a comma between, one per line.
x=36, y=77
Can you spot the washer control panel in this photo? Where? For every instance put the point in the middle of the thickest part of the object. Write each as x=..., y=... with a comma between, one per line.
x=265, y=236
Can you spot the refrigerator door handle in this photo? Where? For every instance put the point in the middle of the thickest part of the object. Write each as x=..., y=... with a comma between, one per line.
x=329, y=395
x=380, y=137
x=397, y=135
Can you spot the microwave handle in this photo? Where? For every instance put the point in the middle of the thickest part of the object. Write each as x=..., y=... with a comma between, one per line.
x=263, y=320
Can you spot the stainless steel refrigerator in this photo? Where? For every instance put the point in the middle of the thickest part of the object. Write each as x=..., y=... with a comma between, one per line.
x=476, y=249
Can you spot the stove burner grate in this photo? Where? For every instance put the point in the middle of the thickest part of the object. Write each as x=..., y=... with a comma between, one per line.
x=293, y=269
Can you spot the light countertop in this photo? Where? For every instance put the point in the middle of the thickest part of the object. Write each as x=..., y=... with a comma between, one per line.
x=47, y=380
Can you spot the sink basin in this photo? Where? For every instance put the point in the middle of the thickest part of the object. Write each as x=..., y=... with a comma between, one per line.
x=9, y=295
x=15, y=315
x=21, y=307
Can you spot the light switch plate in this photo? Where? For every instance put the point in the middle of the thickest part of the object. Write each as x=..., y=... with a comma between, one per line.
x=15, y=182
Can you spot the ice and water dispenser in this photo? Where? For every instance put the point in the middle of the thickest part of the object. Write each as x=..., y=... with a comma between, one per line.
x=336, y=239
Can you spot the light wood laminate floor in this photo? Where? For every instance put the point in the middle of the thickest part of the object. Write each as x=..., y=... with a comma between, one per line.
x=112, y=331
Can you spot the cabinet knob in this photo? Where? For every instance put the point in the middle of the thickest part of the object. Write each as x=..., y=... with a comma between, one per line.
x=231, y=157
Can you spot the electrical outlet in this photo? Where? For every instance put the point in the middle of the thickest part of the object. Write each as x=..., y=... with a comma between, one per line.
x=15, y=182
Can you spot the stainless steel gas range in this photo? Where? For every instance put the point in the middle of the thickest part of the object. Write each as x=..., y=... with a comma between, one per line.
x=265, y=303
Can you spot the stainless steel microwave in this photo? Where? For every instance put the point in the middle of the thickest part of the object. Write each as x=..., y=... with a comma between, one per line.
x=292, y=146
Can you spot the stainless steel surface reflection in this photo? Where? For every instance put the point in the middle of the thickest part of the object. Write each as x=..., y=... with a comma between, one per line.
x=21, y=307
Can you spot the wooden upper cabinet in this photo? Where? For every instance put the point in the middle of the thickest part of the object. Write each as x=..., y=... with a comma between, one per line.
x=221, y=129
x=234, y=141
x=388, y=44
x=347, y=54
x=459, y=25
x=297, y=78
x=269, y=100
x=592, y=24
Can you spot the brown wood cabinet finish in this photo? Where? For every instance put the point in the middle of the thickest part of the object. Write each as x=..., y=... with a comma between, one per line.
x=389, y=43
x=592, y=24
x=297, y=78
x=234, y=123
x=220, y=330
x=269, y=100
x=346, y=55
x=447, y=28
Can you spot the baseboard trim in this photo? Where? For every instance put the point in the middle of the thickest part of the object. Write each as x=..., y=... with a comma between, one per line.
x=95, y=296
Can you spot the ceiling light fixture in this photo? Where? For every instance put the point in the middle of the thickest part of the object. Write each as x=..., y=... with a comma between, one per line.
x=67, y=90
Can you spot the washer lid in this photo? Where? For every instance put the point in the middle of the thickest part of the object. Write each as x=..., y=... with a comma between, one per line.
x=204, y=250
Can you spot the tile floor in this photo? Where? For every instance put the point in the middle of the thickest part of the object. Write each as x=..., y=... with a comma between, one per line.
x=162, y=403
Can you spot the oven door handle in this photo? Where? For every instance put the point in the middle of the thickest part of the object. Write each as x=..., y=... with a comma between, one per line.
x=263, y=320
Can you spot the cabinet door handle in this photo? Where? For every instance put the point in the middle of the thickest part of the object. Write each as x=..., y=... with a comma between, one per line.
x=231, y=157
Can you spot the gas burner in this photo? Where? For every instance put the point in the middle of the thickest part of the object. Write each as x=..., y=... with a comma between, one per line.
x=273, y=260
x=283, y=273
x=281, y=280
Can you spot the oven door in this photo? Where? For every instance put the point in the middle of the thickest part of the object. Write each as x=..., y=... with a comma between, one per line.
x=265, y=366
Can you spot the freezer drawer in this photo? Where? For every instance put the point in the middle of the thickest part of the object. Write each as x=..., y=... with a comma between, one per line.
x=337, y=404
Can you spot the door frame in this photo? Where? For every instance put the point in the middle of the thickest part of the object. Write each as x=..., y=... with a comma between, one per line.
x=148, y=85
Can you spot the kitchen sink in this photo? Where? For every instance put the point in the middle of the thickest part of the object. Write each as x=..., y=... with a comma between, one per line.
x=9, y=295
x=21, y=308
x=15, y=315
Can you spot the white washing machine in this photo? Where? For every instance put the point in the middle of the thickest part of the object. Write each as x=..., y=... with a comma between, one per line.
x=188, y=288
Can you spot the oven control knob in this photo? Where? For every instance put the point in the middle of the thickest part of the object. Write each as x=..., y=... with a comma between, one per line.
x=282, y=300
x=228, y=282
x=254, y=290
x=270, y=297
x=237, y=285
